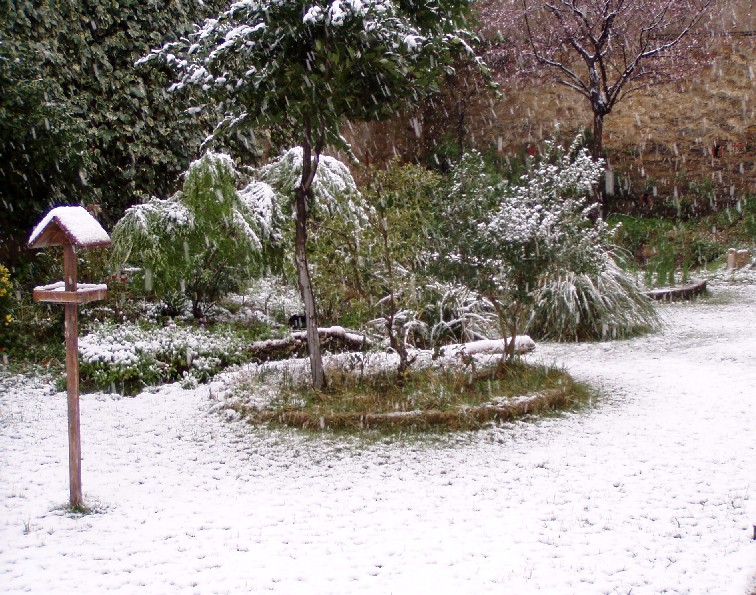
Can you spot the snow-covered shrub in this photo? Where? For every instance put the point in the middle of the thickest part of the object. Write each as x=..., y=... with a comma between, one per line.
x=606, y=304
x=204, y=241
x=504, y=240
x=454, y=313
x=334, y=189
x=129, y=356
x=335, y=197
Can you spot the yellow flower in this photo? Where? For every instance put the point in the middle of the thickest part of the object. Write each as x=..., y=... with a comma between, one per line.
x=8, y=319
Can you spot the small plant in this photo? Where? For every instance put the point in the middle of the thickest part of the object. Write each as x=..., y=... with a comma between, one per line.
x=454, y=313
x=6, y=305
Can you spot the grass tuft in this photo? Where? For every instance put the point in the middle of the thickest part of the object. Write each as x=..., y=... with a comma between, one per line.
x=609, y=305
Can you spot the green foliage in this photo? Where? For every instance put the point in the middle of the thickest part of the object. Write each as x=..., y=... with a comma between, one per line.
x=334, y=191
x=748, y=207
x=379, y=261
x=663, y=247
x=6, y=307
x=41, y=145
x=203, y=242
x=77, y=121
x=127, y=357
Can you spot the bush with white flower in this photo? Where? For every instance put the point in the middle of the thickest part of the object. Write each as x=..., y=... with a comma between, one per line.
x=505, y=240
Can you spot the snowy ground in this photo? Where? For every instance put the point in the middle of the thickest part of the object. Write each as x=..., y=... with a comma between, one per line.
x=652, y=491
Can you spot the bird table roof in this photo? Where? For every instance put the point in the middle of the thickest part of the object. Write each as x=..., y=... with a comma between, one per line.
x=69, y=225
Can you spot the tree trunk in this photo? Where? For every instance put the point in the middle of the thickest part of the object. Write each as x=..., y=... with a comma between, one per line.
x=597, y=151
x=597, y=147
x=302, y=195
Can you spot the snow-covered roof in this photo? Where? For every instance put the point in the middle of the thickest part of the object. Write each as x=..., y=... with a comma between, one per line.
x=68, y=225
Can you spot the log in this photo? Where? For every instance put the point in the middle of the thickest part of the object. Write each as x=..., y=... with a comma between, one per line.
x=676, y=294
x=335, y=337
x=523, y=344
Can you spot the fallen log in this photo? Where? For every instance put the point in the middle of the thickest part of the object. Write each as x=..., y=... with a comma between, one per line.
x=676, y=294
x=336, y=338
x=522, y=344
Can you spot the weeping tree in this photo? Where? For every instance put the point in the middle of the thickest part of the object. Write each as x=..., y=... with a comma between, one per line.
x=206, y=240
x=301, y=68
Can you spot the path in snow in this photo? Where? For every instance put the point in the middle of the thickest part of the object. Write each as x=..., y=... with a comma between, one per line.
x=653, y=491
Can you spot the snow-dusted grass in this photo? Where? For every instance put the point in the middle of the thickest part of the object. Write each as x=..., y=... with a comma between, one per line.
x=579, y=307
x=652, y=491
x=430, y=396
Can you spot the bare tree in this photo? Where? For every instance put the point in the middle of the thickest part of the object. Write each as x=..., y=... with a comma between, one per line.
x=602, y=49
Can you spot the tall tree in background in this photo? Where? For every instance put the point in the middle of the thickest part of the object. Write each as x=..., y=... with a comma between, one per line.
x=303, y=68
x=602, y=49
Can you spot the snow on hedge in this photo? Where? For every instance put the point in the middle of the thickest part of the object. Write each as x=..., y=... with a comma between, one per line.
x=129, y=353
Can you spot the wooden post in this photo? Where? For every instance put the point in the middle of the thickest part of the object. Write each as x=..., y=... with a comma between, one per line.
x=71, y=227
x=72, y=378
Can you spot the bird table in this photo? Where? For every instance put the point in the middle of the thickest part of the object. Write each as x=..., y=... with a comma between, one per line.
x=71, y=227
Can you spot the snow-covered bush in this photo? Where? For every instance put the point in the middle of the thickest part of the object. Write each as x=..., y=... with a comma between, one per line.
x=454, y=313
x=128, y=356
x=504, y=240
x=204, y=241
x=606, y=304
x=334, y=189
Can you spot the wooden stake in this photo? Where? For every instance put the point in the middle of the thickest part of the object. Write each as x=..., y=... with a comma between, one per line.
x=72, y=379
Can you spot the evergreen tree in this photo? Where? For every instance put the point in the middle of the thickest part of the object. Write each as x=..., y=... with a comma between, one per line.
x=78, y=122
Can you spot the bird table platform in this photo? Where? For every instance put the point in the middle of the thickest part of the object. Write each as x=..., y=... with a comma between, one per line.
x=71, y=227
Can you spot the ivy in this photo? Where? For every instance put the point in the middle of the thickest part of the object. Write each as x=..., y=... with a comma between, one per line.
x=78, y=121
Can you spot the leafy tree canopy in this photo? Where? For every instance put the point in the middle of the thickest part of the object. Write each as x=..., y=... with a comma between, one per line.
x=278, y=63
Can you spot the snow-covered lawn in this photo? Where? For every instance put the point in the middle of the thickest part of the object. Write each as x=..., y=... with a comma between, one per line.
x=652, y=491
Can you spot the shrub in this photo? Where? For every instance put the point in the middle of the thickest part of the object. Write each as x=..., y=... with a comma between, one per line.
x=501, y=240
x=6, y=318
x=455, y=314
x=377, y=259
x=607, y=304
x=129, y=356
x=663, y=246
x=203, y=242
